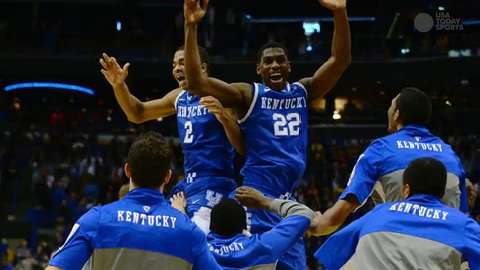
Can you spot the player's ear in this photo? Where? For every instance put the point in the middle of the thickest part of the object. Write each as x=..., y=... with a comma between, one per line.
x=406, y=191
x=204, y=67
x=259, y=71
x=168, y=177
x=127, y=170
x=396, y=115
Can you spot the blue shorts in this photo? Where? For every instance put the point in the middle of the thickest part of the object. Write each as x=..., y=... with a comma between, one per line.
x=202, y=195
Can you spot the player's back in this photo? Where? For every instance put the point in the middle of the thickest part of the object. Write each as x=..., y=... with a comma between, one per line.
x=275, y=134
x=207, y=151
x=419, y=233
x=410, y=143
x=141, y=231
x=241, y=252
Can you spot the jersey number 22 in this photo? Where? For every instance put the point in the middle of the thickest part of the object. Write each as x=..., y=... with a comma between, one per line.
x=286, y=125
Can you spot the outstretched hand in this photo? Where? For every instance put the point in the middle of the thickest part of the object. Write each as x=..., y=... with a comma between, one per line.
x=333, y=4
x=214, y=107
x=193, y=11
x=112, y=71
x=179, y=202
x=251, y=197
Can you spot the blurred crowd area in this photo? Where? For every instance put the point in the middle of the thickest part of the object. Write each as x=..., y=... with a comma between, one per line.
x=49, y=178
x=231, y=29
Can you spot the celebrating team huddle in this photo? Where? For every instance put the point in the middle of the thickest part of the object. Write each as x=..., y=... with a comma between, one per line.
x=210, y=223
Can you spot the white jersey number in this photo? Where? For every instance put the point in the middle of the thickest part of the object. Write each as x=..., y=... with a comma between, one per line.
x=188, y=132
x=288, y=125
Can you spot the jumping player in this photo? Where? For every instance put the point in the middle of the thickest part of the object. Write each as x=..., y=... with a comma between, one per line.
x=208, y=155
x=273, y=114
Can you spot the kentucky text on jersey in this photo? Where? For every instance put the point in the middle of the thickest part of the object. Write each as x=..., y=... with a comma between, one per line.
x=147, y=220
x=435, y=147
x=225, y=249
x=418, y=210
x=191, y=111
x=281, y=104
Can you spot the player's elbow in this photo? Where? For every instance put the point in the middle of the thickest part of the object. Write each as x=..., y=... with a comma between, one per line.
x=341, y=63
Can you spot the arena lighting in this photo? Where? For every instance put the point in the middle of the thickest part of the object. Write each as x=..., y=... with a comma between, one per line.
x=60, y=86
x=440, y=8
x=119, y=26
x=336, y=115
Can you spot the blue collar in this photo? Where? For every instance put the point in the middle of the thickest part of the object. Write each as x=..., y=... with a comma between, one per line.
x=415, y=128
x=221, y=238
x=424, y=198
x=145, y=195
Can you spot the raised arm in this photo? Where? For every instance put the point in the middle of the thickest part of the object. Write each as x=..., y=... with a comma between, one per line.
x=325, y=78
x=136, y=110
x=228, y=120
x=237, y=95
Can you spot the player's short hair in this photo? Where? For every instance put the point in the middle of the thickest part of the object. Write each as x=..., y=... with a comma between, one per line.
x=149, y=159
x=426, y=176
x=415, y=106
x=228, y=218
x=270, y=44
x=201, y=50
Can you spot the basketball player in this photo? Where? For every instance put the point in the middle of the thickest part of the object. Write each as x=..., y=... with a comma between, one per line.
x=273, y=114
x=234, y=248
x=417, y=233
x=208, y=155
x=386, y=158
x=141, y=231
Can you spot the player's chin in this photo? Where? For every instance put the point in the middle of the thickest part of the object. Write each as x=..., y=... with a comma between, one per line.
x=277, y=84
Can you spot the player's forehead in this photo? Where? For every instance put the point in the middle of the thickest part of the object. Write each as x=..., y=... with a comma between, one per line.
x=179, y=55
x=273, y=52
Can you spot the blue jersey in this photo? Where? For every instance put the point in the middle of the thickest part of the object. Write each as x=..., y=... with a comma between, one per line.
x=275, y=130
x=386, y=158
x=419, y=233
x=206, y=149
x=264, y=249
x=141, y=231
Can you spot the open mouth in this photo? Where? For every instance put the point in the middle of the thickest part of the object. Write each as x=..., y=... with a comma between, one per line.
x=276, y=77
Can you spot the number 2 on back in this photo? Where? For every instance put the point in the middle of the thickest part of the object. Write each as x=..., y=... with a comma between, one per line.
x=288, y=125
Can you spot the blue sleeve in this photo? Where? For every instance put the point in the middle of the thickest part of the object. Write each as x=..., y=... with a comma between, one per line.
x=339, y=247
x=472, y=244
x=365, y=173
x=285, y=234
x=204, y=259
x=79, y=244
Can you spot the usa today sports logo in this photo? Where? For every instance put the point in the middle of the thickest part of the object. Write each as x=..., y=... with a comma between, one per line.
x=441, y=21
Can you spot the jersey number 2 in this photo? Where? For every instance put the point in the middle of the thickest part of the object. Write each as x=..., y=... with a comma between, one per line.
x=288, y=125
x=188, y=132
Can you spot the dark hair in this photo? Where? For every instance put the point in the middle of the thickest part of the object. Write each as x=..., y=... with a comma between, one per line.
x=270, y=44
x=426, y=176
x=201, y=50
x=415, y=106
x=228, y=218
x=149, y=159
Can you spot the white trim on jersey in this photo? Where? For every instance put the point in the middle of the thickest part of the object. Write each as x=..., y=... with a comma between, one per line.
x=178, y=96
x=75, y=228
x=252, y=104
x=302, y=86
